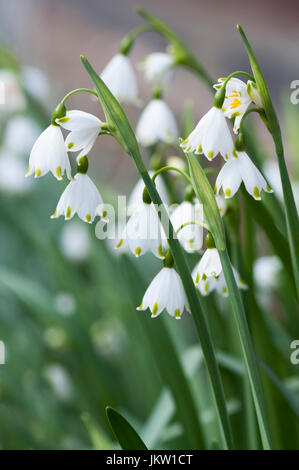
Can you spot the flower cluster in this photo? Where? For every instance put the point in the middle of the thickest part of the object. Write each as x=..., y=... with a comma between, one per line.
x=144, y=232
x=211, y=136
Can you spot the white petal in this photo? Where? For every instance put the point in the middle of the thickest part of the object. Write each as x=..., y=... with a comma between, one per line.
x=157, y=67
x=77, y=120
x=210, y=264
x=229, y=178
x=135, y=198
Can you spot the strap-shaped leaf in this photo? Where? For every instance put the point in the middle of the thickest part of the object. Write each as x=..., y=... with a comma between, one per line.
x=124, y=432
x=206, y=196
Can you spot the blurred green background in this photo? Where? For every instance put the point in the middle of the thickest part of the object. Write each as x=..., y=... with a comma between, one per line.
x=74, y=341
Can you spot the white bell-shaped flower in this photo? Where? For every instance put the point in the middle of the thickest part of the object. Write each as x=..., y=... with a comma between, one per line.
x=157, y=123
x=84, y=127
x=210, y=137
x=238, y=96
x=143, y=232
x=119, y=77
x=135, y=198
x=49, y=154
x=208, y=266
x=157, y=68
x=237, y=169
x=191, y=235
x=81, y=196
x=165, y=292
x=207, y=284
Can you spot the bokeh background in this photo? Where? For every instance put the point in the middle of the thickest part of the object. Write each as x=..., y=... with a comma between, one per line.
x=74, y=342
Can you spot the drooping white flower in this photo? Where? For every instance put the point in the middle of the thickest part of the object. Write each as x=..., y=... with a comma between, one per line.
x=49, y=154
x=143, y=232
x=156, y=123
x=210, y=137
x=20, y=134
x=84, y=127
x=81, y=196
x=237, y=169
x=135, y=198
x=12, y=98
x=190, y=236
x=207, y=284
x=158, y=68
x=238, y=96
x=165, y=292
x=120, y=78
x=208, y=266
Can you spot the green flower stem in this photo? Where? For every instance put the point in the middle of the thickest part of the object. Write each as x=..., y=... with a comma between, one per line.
x=247, y=347
x=172, y=168
x=78, y=90
x=292, y=219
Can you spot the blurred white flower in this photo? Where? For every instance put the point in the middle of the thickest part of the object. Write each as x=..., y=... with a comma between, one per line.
x=75, y=241
x=49, y=154
x=81, y=196
x=238, y=96
x=210, y=137
x=135, y=198
x=65, y=303
x=12, y=170
x=190, y=236
x=84, y=127
x=35, y=82
x=177, y=162
x=108, y=337
x=207, y=284
x=120, y=78
x=12, y=98
x=55, y=337
x=271, y=171
x=143, y=232
x=157, y=67
x=60, y=381
x=265, y=271
x=20, y=134
x=165, y=292
x=221, y=203
x=157, y=123
x=237, y=169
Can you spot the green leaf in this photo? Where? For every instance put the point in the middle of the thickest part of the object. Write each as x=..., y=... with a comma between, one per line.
x=206, y=196
x=124, y=432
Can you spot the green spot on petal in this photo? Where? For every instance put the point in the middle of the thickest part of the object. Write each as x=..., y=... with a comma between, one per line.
x=197, y=278
x=58, y=172
x=88, y=218
x=120, y=243
x=210, y=154
x=38, y=172
x=199, y=149
x=68, y=212
x=70, y=145
x=177, y=313
x=235, y=153
x=137, y=251
x=256, y=192
x=227, y=192
x=155, y=309
x=63, y=119
x=204, y=277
